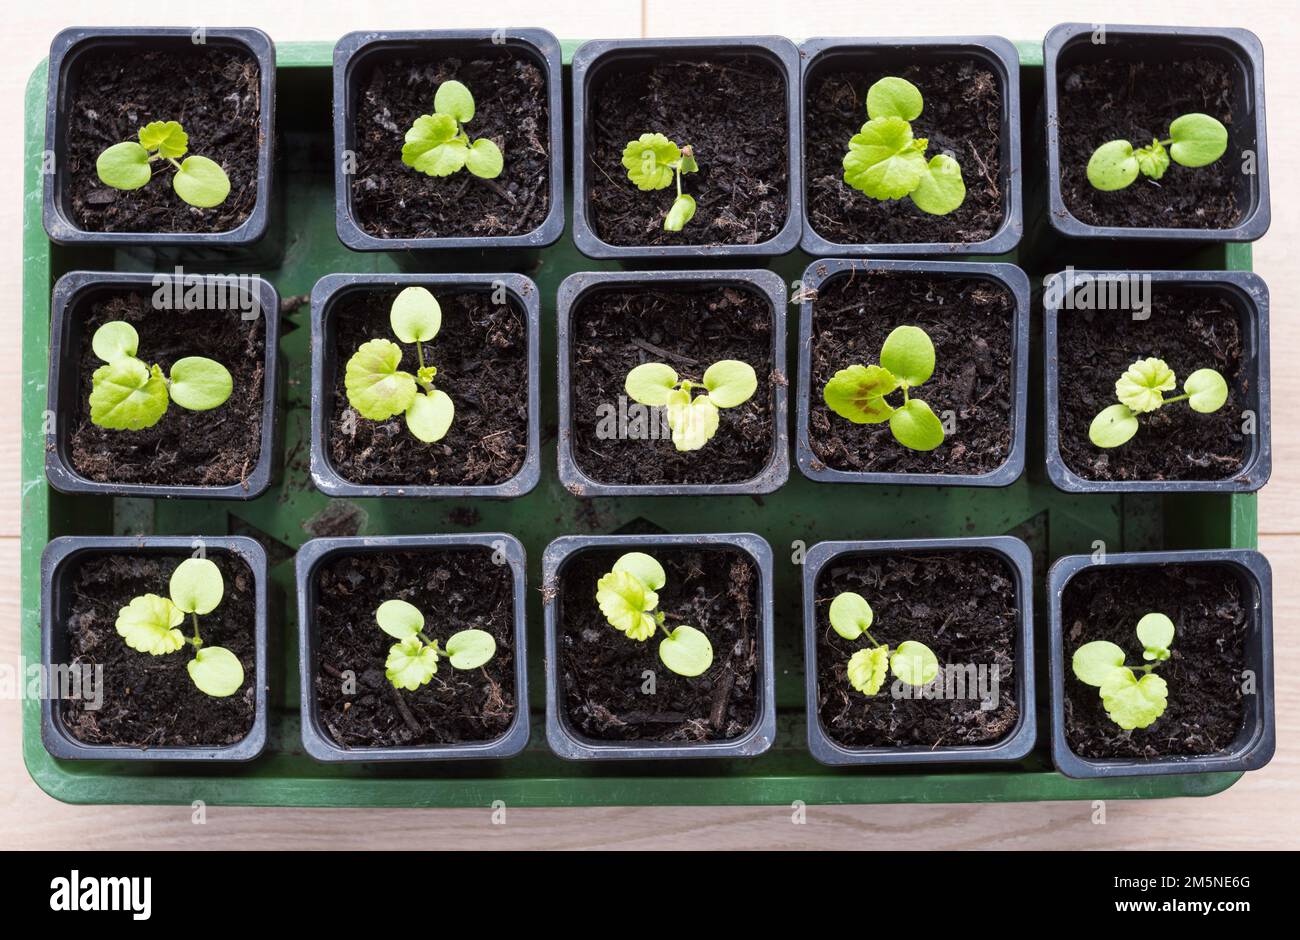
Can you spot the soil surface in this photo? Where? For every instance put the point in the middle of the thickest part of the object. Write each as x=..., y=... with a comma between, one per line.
x=970, y=322
x=1206, y=708
x=392, y=200
x=482, y=357
x=219, y=447
x=151, y=701
x=1189, y=330
x=212, y=90
x=603, y=672
x=1116, y=99
x=456, y=590
x=615, y=331
x=731, y=110
x=960, y=604
x=962, y=117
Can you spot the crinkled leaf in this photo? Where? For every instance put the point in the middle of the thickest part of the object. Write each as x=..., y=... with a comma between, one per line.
x=375, y=386
x=648, y=161
x=730, y=382
x=1142, y=383
x=429, y=416
x=444, y=159
x=644, y=568
x=851, y=615
x=127, y=395
x=894, y=97
x=916, y=427
x=199, y=383
x=399, y=619
x=429, y=132
x=1156, y=631
x=650, y=383
x=416, y=315
x=692, y=421
x=1152, y=160
x=914, y=663
x=1131, y=702
x=908, y=353
x=216, y=671
x=410, y=664
x=882, y=161
x=167, y=137
x=1207, y=390
x=625, y=600
x=470, y=649
x=679, y=213
x=201, y=182
x=453, y=99
x=858, y=393
x=148, y=625
x=1112, y=166
x=115, y=340
x=124, y=166
x=1113, y=427
x=941, y=189
x=1198, y=139
x=196, y=586
x=686, y=651
x=868, y=669
x=1093, y=662
x=484, y=159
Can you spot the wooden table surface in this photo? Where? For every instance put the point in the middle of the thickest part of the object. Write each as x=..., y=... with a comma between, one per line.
x=1261, y=811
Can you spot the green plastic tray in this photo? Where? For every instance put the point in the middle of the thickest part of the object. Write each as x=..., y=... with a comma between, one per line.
x=1053, y=524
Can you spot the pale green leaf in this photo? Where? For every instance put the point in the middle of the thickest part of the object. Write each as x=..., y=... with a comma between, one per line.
x=484, y=159
x=894, y=97
x=1113, y=427
x=196, y=586
x=199, y=383
x=1152, y=160
x=1142, y=384
x=730, y=382
x=868, y=669
x=124, y=166
x=1206, y=390
x=688, y=164
x=1198, y=140
x=1156, y=631
x=692, y=421
x=216, y=671
x=410, y=664
x=416, y=315
x=644, y=568
x=679, y=213
x=851, y=615
x=625, y=600
x=686, y=651
x=429, y=132
x=1131, y=702
x=914, y=663
x=941, y=189
x=882, y=161
x=127, y=395
x=399, y=619
x=470, y=649
x=148, y=625
x=908, y=354
x=375, y=386
x=858, y=394
x=648, y=161
x=916, y=427
x=454, y=99
x=1112, y=166
x=650, y=383
x=167, y=137
x=201, y=182
x=429, y=416
x=1093, y=662
x=442, y=160
x=115, y=340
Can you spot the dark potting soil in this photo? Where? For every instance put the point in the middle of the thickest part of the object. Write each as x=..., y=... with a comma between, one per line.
x=1116, y=99
x=970, y=322
x=392, y=200
x=482, y=357
x=219, y=447
x=962, y=116
x=212, y=90
x=731, y=110
x=602, y=672
x=614, y=331
x=1205, y=708
x=1189, y=330
x=960, y=604
x=456, y=589
x=151, y=701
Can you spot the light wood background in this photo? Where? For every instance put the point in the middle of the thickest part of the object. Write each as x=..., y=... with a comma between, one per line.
x=1261, y=811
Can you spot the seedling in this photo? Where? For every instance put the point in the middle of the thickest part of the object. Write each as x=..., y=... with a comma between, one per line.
x=653, y=162
x=1130, y=702
x=628, y=599
x=127, y=395
x=378, y=389
x=1194, y=140
x=912, y=662
x=1141, y=390
x=693, y=420
x=150, y=624
x=886, y=162
x=413, y=659
x=906, y=361
x=129, y=165
x=437, y=145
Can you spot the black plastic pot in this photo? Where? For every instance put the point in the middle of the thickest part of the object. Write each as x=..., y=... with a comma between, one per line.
x=56, y=566
x=65, y=52
x=1072, y=43
x=72, y=294
x=324, y=296
x=1249, y=294
x=567, y=742
x=358, y=51
x=765, y=283
x=1254, y=744
x=317, y=552
x=593, y=58
x=995, y=53
x=1017, y=743
x=1005, y=275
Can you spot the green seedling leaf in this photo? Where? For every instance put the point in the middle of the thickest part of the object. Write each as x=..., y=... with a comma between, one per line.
x=882, y=160
x=688, y=164
x=1112, y=166
x=196, y=586
x=127, y=395
x=148, y=625
x=454, y=100
x=894, y=97
x=216, y=671
x=115, y=340
x=201, y=182
x=730, y=382
x=1131, y=702
x=1113, y=427
x=941, y=189
x=692, y=421
x=1152, y=160
x=650, y=383
x=124, y=166
x=644, y=568
x=1206, y=390
x=399, y=619
x=410, y=664
x=429, y=132
x=868, y=669
x=625, y=601
x=470, y=649
x=1142, y=385
x=909, y=355
x=858, y=394
x=648, y=161
x=200, y=384
x=1198, y=140
x=416, y=315
x=851, y=615
x=686, y=651
x=484, y=159
x=1094, y=662
x=1156, y=631
x=166, y=137
x=916, y=427
x=914, y=663
x=375, y=386
x=681, y=212
x=429, y=416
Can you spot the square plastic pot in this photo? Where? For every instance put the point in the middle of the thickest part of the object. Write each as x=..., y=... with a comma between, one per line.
x=358, y=51
x=68, y=48
x=1017, y=743
x=1072, y=42
x=57, y=564
x=72, y=294
x=592, y=58
x=574, y=288
x=1006, y=276
x=1249, y=294
x=324, y=297
x=307, y=563
x=996, y=54
x=566, y=741
x=1254, y=744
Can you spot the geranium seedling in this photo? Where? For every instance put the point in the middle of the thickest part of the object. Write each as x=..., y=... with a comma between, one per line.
x=378, y=389
x=151, y=624
x=127, y=395
x=859, y=392
x=693, y=420
x=1194, y=140
x=886, y=162
x=653, y=162
x=628, y=598
x=413, y=659
x=1141, y=390
x=437, y=144
x=129, y=165
x=1129, y=701
x=912, y=662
